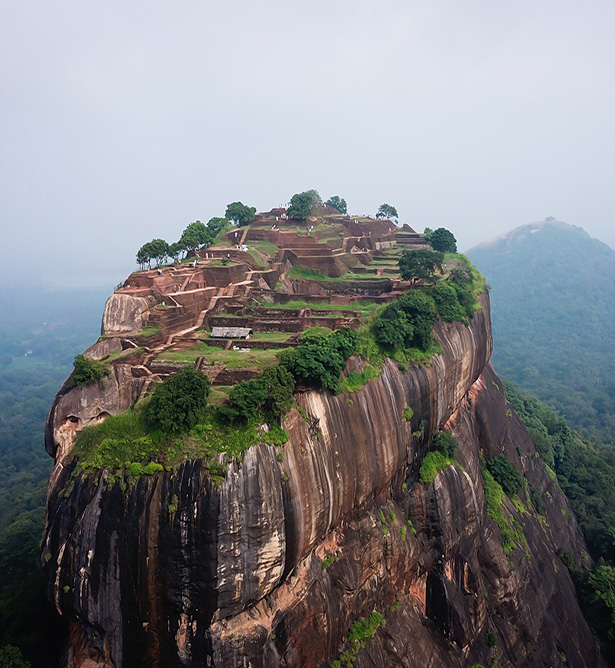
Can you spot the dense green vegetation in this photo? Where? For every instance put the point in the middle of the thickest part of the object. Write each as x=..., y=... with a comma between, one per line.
x=239, y=213
x=441, y=240
x=553, y=310
x=505, y=473
x=338, y=203
x=358, y=634
x=420, y=265
x=408, y=322
x=87, y=371
x=301, y=204
x=40, y=332
x=586, y=474
x=510, y=529
x=266, y=398
x=194, y=236
x=320, y=359
x=441, y=456
x=179, y=402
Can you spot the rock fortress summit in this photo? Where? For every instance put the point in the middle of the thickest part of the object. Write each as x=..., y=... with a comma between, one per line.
x=339, y=520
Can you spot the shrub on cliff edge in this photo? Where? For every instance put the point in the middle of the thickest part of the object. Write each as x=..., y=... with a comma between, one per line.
x=87, y=371
x=179, y=402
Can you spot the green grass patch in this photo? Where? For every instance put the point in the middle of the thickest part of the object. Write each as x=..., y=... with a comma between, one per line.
x=355, y=380
x=218, y=394
x=328, y=561
x=150, y=330
x=122, y=444
x=234, y=359
x=315, y=331
x=409, y=355
x=364, y=307
x=257, y=257
x=363, y=629
x=121, y=353
x=432, y=464
x=276, y=436
x=512, y=533
x=267, y=247
x=304, y=273
x=274, y=337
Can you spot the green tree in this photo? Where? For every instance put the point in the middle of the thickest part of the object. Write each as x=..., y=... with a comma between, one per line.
x=280, y=385
x=505, y=473
x=320, y=359
x=441, y=240
x=447, y=303
x=301, y=204
x=160, y=251
x=176, y=249
x=393, y=330
x=446, y=443
x=421, y=311
x=387, y=211
x=144, y=254
x=267, y=397
x=87, y=371
x=240, y=213
x=246, y=400
x=461, y=281
x=11, y=657
x=216, y=225
x=602, y=582
x=179, y=402
x=337, y=203
x=195, y=236
x=420, y=265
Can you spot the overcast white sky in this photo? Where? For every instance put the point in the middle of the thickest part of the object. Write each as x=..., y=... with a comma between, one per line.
x=125, y=121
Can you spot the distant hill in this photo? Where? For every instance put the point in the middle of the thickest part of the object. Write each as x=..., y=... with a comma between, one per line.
x=553, y=310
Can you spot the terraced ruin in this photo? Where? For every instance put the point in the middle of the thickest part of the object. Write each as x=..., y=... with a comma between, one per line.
x=275, y=277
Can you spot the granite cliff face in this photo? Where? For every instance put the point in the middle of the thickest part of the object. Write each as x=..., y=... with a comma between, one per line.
x=272, y=566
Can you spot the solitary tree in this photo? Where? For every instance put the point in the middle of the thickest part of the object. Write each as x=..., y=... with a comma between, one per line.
x=420, y=265
x=179, y=402
x=239, y=213
x=387, y=211
x=301, y=204
x=337, y=203
x=195, y=235
x=87, y=371
x=441, y=240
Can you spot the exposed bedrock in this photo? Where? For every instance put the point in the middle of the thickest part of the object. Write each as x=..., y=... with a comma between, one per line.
x=270, y=567
x=125, y=313
x=76, y=407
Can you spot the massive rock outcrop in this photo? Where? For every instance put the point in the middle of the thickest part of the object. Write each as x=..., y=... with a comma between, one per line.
x=273, y=565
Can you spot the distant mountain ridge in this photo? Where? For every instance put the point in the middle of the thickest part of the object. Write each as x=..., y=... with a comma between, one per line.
x=553, y=306
x=519, y=233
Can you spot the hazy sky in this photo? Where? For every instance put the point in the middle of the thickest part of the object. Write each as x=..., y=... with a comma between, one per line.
x=125, y=121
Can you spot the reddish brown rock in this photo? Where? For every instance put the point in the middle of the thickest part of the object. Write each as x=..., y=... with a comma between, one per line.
x=271, y=567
